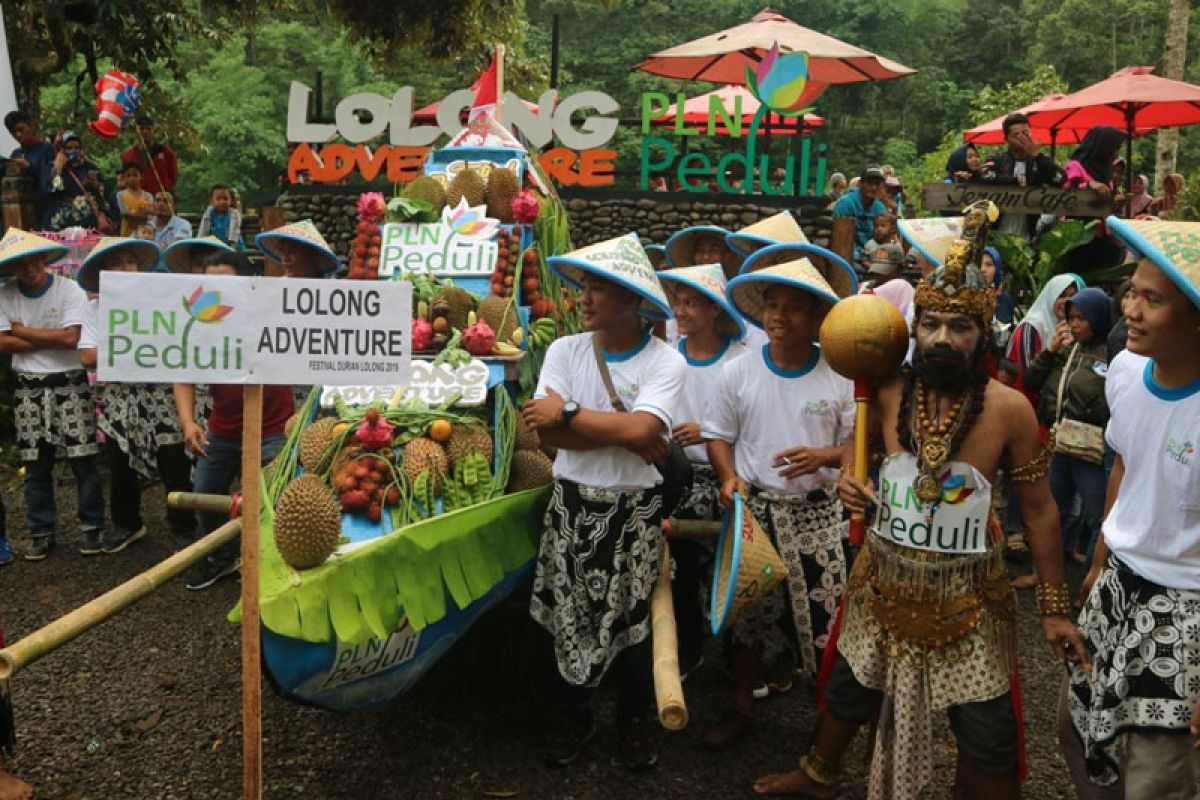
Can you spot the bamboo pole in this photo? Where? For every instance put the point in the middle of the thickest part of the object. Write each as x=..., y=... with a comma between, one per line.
x=251, y=641
x=693, y=529
x=668, y=687
x=46, y=640
x=500, y=83
x=205, y=503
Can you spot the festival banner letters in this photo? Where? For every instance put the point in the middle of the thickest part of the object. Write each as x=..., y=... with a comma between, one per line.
x=1016, y=199
x=432, y=383
x=955, y=524
x=219, y=329
x=459, y=245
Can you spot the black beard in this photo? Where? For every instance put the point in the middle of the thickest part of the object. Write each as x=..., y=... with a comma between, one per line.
x=943, y=369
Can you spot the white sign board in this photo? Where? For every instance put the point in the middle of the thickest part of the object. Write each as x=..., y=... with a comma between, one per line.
x=221, y=329
x=459, y=245
x=433, y=384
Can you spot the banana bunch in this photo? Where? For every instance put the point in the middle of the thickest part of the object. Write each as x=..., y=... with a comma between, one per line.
x=542, y=332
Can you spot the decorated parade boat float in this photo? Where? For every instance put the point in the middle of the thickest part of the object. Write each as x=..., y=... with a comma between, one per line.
x=394, y=517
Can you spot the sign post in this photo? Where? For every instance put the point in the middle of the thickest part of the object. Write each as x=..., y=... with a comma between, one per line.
x=252, y=331
x=1015, y=199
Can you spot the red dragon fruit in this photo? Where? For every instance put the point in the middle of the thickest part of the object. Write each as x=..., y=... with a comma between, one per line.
x=525, y=207
x=478, y=338
x=375, y=433
x=422, y=334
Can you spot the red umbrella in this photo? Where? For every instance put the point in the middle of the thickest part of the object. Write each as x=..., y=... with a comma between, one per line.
x=992, y=132
x=1132, y=99
x=696, y=113
x=723, y=57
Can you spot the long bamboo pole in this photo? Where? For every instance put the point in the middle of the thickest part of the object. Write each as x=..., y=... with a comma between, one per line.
x=70, y=626
x=500, y=83
x=251, y=641
x=668, y=686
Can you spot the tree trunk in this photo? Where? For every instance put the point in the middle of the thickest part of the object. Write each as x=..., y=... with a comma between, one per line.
x=1174, y=57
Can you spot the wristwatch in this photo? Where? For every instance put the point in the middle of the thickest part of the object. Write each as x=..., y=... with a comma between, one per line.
x=569, y=410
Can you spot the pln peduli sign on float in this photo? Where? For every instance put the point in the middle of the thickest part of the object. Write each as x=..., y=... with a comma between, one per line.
x=232, y=330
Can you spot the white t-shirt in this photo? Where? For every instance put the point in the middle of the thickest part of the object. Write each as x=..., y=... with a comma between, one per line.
x=1154, y=526
x=648, y=378
x=761, y=410
x=61, y=304
x=89, y=332
x=700, y=386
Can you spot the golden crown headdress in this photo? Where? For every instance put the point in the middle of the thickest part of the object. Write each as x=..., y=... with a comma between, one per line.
x=958, y=286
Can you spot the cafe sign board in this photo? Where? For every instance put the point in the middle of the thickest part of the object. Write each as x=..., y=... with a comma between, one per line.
x=1016, y=199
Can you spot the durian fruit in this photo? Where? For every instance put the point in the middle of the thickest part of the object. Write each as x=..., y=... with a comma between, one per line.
x=308, y=522
x=527, y=437
x=290, y=425
x=466, y=184
x=314, y=442
x=529, y=470
x=502, y=187
x=421, y=454
x=427, y=189
x=461, y=303
x=500, y=315
x=467, y=439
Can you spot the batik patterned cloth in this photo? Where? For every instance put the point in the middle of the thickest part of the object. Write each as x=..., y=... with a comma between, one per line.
x=140, y=418
x=57, y=409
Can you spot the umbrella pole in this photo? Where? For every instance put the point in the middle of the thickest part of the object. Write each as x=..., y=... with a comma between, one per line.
x=1130, y=113
x=1053, y=144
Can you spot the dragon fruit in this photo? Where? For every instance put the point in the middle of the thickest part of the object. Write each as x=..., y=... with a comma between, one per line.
x=375, y=433
x=372, y=207
x=478, y=338
x=422, y=334
x=525, y=207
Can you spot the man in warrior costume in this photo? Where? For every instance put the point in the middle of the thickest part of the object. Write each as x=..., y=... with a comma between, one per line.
x=929, y=620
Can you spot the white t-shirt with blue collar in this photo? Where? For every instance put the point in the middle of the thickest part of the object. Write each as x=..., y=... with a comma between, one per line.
x=700, y=388
x=761, y=409
x=1154, y=525
x=648, y=378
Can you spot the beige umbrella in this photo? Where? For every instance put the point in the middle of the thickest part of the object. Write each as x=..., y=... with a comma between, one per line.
x=723, y=57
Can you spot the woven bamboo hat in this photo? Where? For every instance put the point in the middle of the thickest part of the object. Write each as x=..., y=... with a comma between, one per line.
x=708, y=280
x=778, y=229
x=1174, y=247
x=657, y=255
x=621, y=260
x=178, y=255
x=145, y=251
x=932, y=236
x=746, y=566
x=747, y=292
x=18, y=244
x=836, y=271
x=303, y=232
x=682, y=243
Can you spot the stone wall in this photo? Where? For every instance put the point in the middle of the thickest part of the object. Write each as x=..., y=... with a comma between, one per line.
x=655, y=217
x=596, y=214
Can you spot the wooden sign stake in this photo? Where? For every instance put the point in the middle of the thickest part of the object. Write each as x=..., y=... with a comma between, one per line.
x=251, y=635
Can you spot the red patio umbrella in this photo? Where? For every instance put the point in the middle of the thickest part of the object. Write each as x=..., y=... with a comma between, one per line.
x=722, y=57
x=992, y=132
x=1132, y=99
x=696, y=113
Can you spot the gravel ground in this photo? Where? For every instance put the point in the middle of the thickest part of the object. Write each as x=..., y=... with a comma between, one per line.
x=148, y=706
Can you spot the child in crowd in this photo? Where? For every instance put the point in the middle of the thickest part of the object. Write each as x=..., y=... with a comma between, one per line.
x=145, y=230
x=711, y=334
x=191, y=255
x=218, y=445
x=776, y=429
x=886, y=232
x=40, y=320
x=142, y=435
x=222, y=219
x=133, y=202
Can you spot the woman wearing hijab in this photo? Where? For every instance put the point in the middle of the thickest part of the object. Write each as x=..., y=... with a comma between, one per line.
x=962, y=164
x=1140, y=198
x=1092, y=166
x=992, y=267
x=1046, y=316
x=1166, y=205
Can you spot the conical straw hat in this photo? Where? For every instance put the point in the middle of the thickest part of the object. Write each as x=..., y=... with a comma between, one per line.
x=682, y=243
x=1174, y=247
x=145, y=251
x=836, y=271
x=708, y=280
x=747, y=292
x=178, y=255
x=304, y=232
x=657, y=255
x=932, y=236
x=746, y=567
x=622, y=261
x=18, y=244
x=773, y=230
